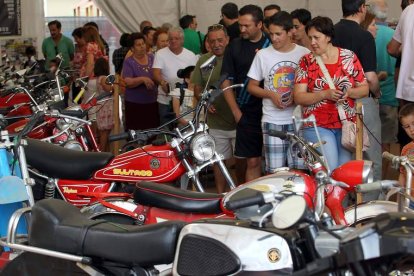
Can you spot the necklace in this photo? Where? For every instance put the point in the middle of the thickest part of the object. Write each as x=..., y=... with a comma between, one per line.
x=144, y=66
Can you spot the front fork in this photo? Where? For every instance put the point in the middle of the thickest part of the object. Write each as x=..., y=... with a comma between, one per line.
x=193, y=172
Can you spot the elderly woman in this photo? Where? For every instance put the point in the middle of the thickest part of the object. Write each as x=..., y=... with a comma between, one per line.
x=312, y=90
x=141, y=107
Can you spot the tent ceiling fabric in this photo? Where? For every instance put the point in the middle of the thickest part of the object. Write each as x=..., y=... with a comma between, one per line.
x=126, y=14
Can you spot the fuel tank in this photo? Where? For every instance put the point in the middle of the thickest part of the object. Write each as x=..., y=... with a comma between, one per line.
x=149, y=163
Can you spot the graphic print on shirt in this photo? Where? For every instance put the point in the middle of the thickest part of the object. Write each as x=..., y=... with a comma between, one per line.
x=410, y=155
x=281, y=79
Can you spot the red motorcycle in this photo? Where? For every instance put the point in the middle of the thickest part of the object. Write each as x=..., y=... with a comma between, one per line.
x=151, y=202
x=24, y=97
x=82, y=178
x=65, y=127
x=319, y=187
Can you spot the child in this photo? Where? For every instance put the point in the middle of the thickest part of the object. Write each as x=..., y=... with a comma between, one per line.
x=183, y=96
x=104, y=111
x=406, y=117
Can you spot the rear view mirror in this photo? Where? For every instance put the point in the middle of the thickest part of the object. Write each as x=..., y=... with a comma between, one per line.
x=289, y=211
x=209, y=63
x=81, y=82
x=110, y=79
x=297, y=118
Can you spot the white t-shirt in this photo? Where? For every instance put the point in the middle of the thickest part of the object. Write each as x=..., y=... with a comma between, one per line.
x=170, y=63
x=404, y=34
x=277, y=69
x=188, y=101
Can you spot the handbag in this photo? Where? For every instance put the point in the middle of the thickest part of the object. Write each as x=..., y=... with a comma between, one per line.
x=349, y=128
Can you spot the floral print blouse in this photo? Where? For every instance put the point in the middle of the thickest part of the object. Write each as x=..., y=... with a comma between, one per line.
x=345, y=74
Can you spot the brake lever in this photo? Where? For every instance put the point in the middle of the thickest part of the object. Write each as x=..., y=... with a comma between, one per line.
x=338, y=183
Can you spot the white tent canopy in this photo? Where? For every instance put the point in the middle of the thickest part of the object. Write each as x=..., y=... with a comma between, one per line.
x=126, y=14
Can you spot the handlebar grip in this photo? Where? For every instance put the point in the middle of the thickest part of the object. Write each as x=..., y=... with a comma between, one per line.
x=256, y=199
x=73, y=113
x=376, y=186
x=120, y=136
x=37, y=118
x=276, y=133
x=369, y=187
x=388, y=156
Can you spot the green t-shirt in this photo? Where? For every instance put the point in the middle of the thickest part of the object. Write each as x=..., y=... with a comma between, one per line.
x=65, y=47
x=223, y=119
x=192, y=40
x=386, y=63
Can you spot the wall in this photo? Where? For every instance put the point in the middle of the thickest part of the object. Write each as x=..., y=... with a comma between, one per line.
x=32, y=21
x=59, y=7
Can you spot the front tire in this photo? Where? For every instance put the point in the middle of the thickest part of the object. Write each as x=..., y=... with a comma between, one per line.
x=368, y=210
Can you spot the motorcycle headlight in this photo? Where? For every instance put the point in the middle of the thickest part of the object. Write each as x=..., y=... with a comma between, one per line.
x=203, y=147
x=62, y=123
x=73, y=145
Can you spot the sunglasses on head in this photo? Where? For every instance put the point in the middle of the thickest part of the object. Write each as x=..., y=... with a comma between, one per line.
x=215, y=27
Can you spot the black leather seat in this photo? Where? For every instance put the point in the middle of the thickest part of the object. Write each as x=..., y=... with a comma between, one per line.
x=59, y=226
x=175, y=199
x=5, y=110
x=58, y=162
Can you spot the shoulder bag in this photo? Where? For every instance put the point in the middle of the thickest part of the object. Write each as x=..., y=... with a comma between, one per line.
x=348, y=127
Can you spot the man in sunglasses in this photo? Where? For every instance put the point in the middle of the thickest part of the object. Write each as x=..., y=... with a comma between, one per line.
x=56, y=44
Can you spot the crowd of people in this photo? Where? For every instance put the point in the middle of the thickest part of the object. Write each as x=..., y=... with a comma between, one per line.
x=283, y=59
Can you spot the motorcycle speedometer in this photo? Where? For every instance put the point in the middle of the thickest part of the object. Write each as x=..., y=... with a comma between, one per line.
x=203, y=147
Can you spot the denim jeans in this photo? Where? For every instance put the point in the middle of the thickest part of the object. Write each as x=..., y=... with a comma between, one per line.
x=335, y=154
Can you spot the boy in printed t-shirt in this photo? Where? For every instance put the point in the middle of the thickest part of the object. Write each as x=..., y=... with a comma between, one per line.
x=276, y=65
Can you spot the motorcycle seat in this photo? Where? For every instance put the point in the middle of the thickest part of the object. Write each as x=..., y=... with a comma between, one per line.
x=175, y=199
x=58, y=162
x=58, y=225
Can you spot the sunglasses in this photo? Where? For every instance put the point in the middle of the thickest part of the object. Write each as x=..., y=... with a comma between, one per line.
x=215, y=27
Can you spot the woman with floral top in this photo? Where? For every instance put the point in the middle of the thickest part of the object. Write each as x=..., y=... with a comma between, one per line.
x=313, y=93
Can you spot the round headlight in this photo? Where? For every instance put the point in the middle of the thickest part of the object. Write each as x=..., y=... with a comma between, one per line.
x=203, y=147
x=62, y=123
x=73, y=145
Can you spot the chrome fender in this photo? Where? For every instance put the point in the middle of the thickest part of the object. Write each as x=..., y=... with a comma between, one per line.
x=371, y=209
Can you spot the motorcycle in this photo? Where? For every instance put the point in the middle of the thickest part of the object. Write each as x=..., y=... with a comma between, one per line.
x=278, y=235
x=368, y=210
x=337, y=185
x=190, y=150
x=15, y=188
x=65, y=127
x=33, y=94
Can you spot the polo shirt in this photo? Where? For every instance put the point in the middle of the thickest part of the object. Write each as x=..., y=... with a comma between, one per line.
x=64, y=46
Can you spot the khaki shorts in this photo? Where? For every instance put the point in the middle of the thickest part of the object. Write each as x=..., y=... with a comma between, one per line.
x=389, y=123
x=225, y=141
